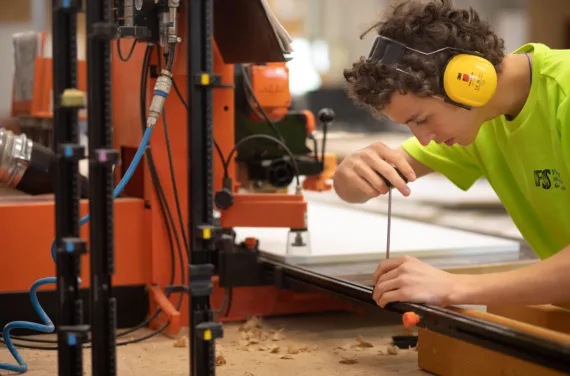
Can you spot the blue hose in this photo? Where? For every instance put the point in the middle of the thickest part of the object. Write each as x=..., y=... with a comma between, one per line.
x=48, y=326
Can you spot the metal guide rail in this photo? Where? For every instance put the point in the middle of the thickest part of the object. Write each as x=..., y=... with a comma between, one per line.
x=489, y=335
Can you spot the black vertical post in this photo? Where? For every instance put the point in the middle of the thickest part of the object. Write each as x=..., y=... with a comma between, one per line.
x=100, y=32
x=199, y=43
x=69, y=246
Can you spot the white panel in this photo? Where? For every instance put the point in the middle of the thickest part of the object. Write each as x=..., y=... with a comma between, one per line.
x=341, y=234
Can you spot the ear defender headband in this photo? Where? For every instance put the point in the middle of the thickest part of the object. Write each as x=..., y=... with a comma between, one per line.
x=468, y=79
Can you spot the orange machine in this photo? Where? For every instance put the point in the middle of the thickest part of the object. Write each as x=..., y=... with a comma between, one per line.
x=247, y=209
x=142, y=241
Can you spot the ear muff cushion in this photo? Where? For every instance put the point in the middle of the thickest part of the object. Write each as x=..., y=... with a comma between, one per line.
x=470, y=80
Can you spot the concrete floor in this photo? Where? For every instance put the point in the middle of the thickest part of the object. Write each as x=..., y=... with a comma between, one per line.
x=315, y=345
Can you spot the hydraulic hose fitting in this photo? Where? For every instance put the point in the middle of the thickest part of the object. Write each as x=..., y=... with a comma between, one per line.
x=161, y=91
x=172, y=31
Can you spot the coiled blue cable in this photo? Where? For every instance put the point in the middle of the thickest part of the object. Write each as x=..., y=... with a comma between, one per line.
x=48, y=326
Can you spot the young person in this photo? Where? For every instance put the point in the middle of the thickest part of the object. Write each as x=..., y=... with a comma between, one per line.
x=474, y=112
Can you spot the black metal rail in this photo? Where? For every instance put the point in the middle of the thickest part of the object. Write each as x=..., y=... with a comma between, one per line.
x=102, y=158
x=68, y=151
x=204, y=330
x=490, y=335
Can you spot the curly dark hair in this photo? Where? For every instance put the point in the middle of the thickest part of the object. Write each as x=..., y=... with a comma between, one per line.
x=425, y=27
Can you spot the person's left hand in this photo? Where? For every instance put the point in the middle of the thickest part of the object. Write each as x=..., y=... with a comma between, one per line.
x=407, y=279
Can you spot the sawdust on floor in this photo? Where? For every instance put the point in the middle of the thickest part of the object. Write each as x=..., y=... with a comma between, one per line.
x=315, y=345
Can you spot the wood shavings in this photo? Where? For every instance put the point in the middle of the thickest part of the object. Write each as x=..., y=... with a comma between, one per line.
x=392, y=350
x=348, y=361
x=286, y=356
x=252, y=323
x=220, y=360
x=292, y=349
x=362, y=343
x=343, y=348
x=358, y=346
x=278, y=335
x=181, y=342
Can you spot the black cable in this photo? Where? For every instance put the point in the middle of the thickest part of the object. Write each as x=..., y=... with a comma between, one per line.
x=228, y=292
x=168, y=219
x=87, y=346
x=267, y=137
x=226, y=305
x=247, y=82
x=120, y=52
x=225, y=162
x=179, y=94
x=170, y=60
x=152, y=167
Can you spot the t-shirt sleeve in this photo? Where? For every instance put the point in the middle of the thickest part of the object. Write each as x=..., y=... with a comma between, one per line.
x=457, y=163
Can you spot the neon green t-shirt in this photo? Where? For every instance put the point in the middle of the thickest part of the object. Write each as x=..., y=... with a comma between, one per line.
x=526, y=160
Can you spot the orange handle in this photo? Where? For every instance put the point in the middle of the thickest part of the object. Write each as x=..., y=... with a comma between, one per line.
x=410, y=319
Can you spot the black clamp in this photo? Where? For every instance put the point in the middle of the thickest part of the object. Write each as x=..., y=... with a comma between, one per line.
x=211, y=80
x=140, y=33
x=105, y=156
x=209, y=331
x=224, y=198
x=210, y=235
x=75, y=246
x=73, y=152
x=200, y=280
x=104, y=31
x=76, y=335
x=206, y=232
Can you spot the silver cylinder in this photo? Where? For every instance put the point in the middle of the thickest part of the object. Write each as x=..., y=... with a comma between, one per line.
x=163, y=28
x=172, y=26
x=129, y=12
x=15, y=154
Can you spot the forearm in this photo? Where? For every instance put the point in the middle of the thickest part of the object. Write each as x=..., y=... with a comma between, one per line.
x=546, y=282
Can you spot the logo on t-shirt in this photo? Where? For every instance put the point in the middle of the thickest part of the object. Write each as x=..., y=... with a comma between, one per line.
x=548, y=179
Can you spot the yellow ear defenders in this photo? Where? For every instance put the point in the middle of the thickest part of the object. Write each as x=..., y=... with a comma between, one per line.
x=468, y=79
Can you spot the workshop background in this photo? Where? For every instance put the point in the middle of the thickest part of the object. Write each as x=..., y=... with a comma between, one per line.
x=326, y=40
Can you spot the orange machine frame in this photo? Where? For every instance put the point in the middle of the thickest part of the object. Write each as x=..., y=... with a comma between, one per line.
x=141, y=239
x=246, y=301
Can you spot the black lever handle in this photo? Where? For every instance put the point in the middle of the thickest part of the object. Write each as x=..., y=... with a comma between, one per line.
x=388, y=183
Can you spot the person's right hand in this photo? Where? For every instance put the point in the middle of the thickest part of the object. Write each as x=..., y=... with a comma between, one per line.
x=356, y=178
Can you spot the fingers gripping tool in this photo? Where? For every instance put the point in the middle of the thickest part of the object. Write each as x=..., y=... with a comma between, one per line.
x=409, y=319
